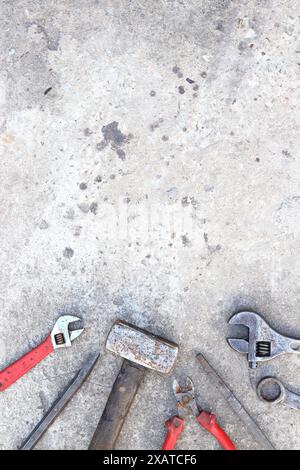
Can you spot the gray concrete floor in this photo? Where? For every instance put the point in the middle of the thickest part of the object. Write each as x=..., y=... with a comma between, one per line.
x=129, y=191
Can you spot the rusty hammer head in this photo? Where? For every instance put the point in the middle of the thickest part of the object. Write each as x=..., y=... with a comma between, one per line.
x=141, y=347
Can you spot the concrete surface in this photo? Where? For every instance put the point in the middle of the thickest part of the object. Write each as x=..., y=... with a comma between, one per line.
x=128, y=191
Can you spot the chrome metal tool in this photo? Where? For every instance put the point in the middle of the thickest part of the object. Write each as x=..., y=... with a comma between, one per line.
x=273, y=391
x=263, y=342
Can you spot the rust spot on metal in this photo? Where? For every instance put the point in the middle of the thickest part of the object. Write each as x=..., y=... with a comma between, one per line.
x=142, y=347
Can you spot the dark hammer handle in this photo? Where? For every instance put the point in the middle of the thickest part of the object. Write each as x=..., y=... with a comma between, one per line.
x=118, y=404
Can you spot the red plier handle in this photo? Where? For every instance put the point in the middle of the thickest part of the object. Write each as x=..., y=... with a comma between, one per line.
x=208, y=421
x=21, y=366
x=175, y=427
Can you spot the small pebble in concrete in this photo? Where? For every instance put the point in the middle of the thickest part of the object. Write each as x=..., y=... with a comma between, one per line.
x=177, y=71
x=203, y=74
x=77, y=230
x=186, y=241
x=70, y=213
x=152, y=93
x=68, y=252
x=84, y=207
x=94, y=208
x=83, y=186
x=181, y=89
x=43, y=224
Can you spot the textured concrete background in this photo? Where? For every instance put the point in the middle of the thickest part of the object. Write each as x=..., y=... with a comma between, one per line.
x=100, y=129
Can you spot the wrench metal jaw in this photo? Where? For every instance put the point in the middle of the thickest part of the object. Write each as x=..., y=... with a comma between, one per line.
x=61, y=337
x=263, y=342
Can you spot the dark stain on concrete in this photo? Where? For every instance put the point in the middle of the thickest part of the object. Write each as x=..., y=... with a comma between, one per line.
x=115, y=138
x=156, y=124
x=112, y=134
x=47, y=90
x=44, y=401
x=52, y=40
x=121, y=154
x=286, y=153
x=187, y=200
x=177, y=71
x=211, y=248
x=186, y=241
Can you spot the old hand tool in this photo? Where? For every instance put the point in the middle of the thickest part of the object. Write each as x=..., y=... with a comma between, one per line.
x=185, y=397
x=273, y=391
x=141, y=350
x=59, y=404
x=60, y=337
x=263, y=342
x=235, y=404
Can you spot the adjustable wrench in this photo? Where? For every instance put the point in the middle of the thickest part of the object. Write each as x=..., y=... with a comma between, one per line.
x=60, y=337
x=273, y=391
x=263, y=342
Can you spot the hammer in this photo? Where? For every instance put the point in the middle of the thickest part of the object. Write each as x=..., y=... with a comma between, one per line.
x=141, y=350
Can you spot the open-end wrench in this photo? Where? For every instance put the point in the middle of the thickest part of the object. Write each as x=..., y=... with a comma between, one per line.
x=273, y=391
x=60, y=337
x=263, y=342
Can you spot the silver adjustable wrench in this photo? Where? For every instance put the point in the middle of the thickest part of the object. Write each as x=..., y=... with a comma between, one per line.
x=263, y=342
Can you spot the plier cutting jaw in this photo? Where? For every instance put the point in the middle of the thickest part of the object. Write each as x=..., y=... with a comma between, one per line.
x=185, y=397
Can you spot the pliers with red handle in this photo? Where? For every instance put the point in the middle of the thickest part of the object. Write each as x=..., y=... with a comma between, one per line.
x=185, y=397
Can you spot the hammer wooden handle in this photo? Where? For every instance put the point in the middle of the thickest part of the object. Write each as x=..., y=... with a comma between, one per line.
x=118, y=404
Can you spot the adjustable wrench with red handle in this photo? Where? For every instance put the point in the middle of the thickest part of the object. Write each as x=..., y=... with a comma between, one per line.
x=186, y=399
x=60, y=337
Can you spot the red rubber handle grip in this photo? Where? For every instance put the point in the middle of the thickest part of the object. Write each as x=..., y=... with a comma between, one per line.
x=175, y=427
x=208, y=422
x=21, y=366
